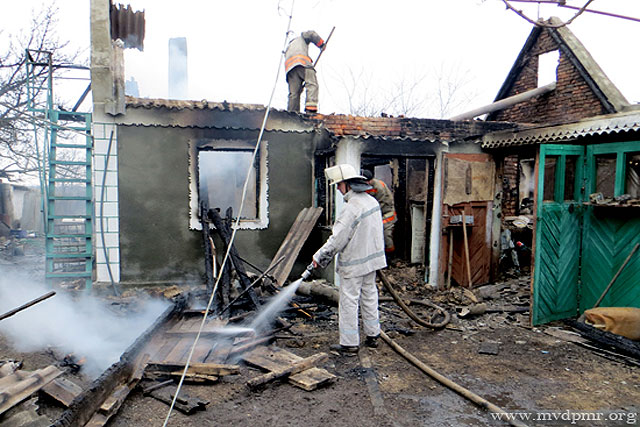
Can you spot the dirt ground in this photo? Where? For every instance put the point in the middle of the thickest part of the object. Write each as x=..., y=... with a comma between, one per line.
x=531, y=372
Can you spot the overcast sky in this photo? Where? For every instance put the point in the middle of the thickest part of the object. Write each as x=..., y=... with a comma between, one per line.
x=234, y=47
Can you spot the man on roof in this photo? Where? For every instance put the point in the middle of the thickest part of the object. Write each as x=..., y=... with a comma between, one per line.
x=300, y=71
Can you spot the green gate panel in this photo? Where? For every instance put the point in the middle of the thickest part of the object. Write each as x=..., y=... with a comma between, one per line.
x=555, y=290
x=609, y=235
x=557, y=239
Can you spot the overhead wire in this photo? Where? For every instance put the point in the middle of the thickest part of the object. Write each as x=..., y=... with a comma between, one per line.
x=237, y=221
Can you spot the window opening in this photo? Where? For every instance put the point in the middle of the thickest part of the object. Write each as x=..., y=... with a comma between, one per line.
x=547, y=67
x=526, y=185
x=570, y=178
x=632, y=175
x=606, y=175
x=550, y=165
x=217, y=171
x=221, y=176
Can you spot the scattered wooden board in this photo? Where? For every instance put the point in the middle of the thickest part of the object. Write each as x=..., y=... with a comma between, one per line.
x=185, y=404
x=292, y=244
x=18, y=386
x=194, y=378
x=196, y=368
x=192, y=325
x=62, y=390
x=275, y=358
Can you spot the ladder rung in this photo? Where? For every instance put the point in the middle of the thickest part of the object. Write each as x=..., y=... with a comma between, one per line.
x=69, y=198
x=70, y=256
x=70, y=145
x=69, y=163
x=68, y=274
x=87, y=180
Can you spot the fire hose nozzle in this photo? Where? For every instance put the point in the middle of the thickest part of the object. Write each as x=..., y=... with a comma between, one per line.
x=307, y=272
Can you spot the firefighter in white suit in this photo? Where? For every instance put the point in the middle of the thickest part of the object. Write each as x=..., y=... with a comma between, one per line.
x=357, y=239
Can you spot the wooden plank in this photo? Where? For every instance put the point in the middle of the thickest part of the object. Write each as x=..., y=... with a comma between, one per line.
x=184, y=403
x=311, y=379
x=270, y=359
x=219, y=353
x=109, y=407
x=196, y=368
x=295, y=245
x=299, y=366
x=370, y=379
x=212, y=326
x=114, y=401
x=180, y=351
x=19, y=391
x=168, y=344
x=275, y=358
x=62, y=390
x=293, y=242
x=198, y=378
x=203, y=349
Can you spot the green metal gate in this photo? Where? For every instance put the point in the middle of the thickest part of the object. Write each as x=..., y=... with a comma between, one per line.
x=610, y=232
x=558, y=233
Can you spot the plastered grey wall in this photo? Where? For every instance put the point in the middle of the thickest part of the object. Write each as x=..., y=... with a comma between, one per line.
x=157, y=245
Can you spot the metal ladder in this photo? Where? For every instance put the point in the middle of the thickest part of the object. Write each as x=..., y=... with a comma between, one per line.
x=66, y=181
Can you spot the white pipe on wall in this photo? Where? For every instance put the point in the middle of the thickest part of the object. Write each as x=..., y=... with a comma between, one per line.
x=436, y=221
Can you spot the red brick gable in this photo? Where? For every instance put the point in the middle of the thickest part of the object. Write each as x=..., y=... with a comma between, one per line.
x=572, y=99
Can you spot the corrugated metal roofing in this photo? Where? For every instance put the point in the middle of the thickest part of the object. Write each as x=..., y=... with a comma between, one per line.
x=602, y=125
x=127, y=25
x=382, y=138
x=220, y=128
x=174, y=104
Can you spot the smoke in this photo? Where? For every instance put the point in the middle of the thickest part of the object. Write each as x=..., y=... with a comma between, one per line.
x=83, y=325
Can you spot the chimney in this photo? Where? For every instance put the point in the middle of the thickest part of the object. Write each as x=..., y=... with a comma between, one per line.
x=178, y=82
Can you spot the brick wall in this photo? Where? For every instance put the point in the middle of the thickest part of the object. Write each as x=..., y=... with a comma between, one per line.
x=429, y=129
x=571, y=100
x=510, y=185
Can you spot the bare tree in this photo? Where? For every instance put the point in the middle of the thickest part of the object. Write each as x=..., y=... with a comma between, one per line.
x=435, y=94
x=362, y=95
x=18, y=152
x=452, y=91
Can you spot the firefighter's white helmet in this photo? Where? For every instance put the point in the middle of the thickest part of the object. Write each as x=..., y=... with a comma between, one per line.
x=339, y=173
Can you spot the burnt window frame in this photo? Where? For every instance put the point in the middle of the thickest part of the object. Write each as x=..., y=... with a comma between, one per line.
x=262, y=178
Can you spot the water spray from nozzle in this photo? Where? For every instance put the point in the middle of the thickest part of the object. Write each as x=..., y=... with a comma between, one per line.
x=307, y=272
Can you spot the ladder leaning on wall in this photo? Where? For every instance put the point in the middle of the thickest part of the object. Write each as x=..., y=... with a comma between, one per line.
x=65, y=161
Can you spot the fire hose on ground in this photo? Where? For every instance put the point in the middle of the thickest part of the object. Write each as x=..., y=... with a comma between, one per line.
x=480, y=401
x=330, y=294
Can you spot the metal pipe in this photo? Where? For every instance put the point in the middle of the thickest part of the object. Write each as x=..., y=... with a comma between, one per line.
x=506, y=102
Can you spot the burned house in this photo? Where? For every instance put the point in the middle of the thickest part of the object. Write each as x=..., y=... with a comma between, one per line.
x=458, y=184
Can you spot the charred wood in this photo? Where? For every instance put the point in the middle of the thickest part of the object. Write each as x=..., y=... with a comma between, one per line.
x=224, y=231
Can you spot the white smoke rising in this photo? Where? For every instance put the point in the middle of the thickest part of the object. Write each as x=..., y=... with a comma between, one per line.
x=84, y=325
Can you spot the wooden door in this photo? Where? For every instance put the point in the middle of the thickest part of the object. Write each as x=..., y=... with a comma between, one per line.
x=468, y=183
